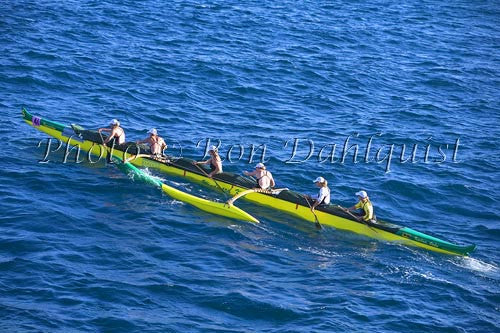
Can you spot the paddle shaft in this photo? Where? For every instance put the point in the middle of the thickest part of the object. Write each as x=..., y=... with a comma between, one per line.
x=206, y=174
x=318, y=225
x=357, y=218
x=108, y=159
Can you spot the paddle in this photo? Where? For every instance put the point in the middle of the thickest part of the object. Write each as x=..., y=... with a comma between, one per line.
x=357, y=218
x=206, y=174
x=253, y=190
x=318, y=225
x=108, y=159
x=133, y=157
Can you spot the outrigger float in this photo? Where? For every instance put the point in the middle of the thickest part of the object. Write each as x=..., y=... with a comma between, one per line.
x=217, y=208
x=283, y=200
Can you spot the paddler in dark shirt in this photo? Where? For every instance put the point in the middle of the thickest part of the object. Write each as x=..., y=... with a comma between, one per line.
x=214, y=161
x=115, y=132
x=264, y=178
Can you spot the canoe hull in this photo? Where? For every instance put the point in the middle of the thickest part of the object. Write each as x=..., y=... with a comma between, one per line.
x=405, y=236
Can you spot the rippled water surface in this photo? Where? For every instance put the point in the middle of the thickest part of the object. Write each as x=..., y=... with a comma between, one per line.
x=82, y=248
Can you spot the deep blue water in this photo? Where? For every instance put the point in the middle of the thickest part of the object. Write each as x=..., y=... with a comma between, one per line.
x=84, y=249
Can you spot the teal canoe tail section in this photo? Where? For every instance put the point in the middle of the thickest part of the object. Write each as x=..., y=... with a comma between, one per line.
x=436, y=242
x=136, y=174
x=39, y=121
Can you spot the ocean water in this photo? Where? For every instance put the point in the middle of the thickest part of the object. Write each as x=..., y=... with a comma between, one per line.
x=84, y=249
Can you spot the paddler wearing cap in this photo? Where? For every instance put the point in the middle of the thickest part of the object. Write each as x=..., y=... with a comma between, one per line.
x=323, y=196
x=115, y=132
x=364, y=206
x=155, y=142
x=265, y=179
x=214, y=161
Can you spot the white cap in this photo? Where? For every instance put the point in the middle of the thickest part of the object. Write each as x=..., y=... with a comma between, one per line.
x=362, y=194
x=319, y=180
x=114, y=122
x=260, y=166
x=213, y=148
x=153, y=131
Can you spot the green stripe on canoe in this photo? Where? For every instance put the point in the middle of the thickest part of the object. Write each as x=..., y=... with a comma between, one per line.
x=436, y=242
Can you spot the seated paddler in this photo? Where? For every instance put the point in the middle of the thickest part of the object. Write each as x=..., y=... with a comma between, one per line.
x=155, y=142
x=364, y=208
x=215, y=162
x=115, y=132
x=264, y=178
x=323, y=196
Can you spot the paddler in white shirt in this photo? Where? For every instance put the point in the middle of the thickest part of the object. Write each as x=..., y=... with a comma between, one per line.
x=323, y=196
x=264, y=178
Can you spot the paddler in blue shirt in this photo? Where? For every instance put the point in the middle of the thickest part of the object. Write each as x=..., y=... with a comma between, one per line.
x=323, y=196
x=364, y=207
x=265, y=179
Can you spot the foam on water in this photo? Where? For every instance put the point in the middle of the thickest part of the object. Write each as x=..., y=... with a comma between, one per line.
x=475, y=265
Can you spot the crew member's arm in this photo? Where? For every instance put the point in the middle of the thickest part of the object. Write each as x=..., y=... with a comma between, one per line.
x=271, y=179
x=321, y=196
x=111, y=135
x=163, y=145
x=356, y=206
x=253, y=173
x=104, y=129
x=203, y=162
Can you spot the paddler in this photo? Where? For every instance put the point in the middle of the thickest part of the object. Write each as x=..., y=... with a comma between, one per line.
x=214, y=161
x=155, y=142
x=323, y=196
x=265, y=179
x=116, y=132
x=364, y=207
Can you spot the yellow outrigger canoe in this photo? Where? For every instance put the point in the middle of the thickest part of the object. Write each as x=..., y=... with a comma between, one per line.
x=286, y=201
